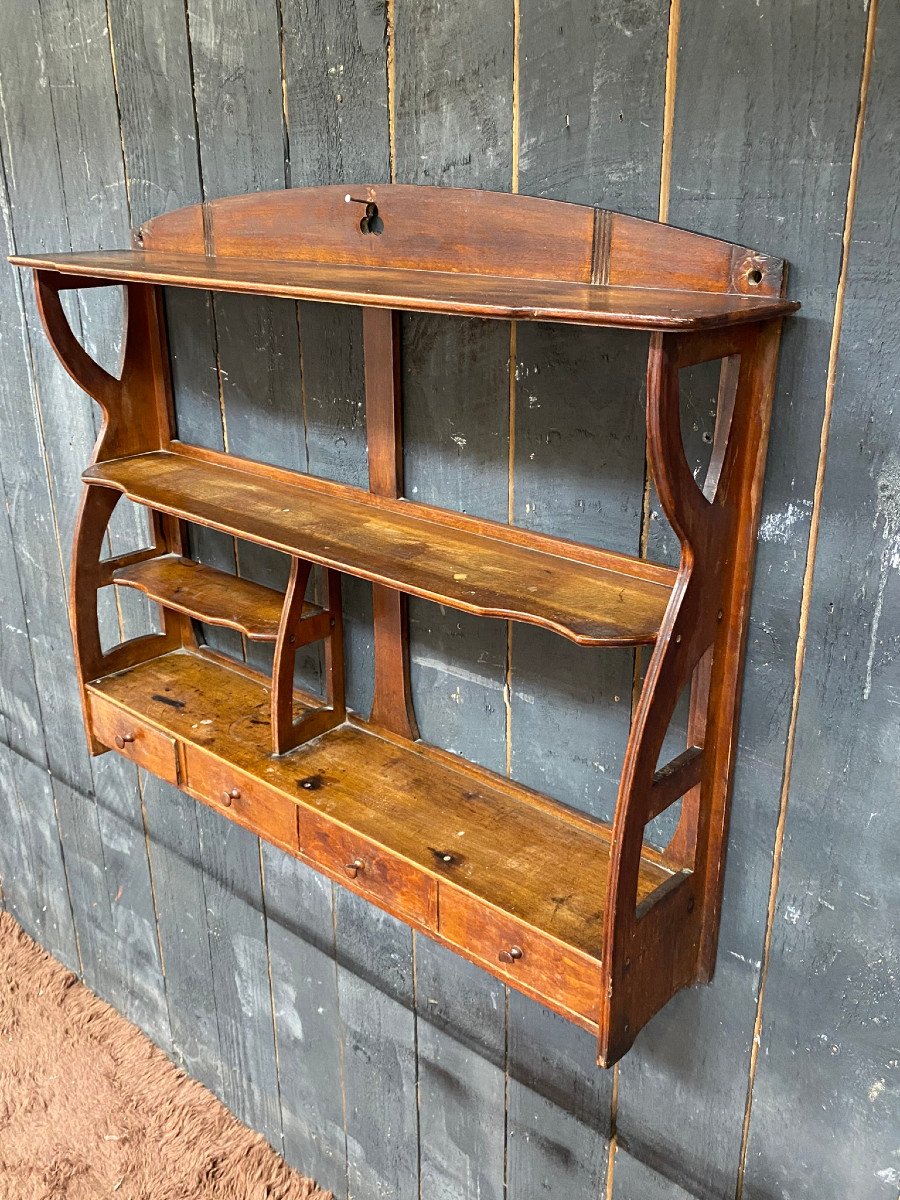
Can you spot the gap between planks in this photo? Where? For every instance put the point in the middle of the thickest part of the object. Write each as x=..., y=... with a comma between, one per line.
x=665, y=188
x=808, y=576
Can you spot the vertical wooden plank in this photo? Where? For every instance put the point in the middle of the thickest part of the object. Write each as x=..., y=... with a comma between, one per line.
x=591, y=97
x=240, y=972
x=790, y=201
x=377, y=1007
x=34, y=166
x=174, y=848
x=827, y=1055
x=32, y=873
x=335, y=73
x=392, y=707
x=152, y=62
x=558, y=1106
x=300, y=922
x=462, y=1056
x=453, y=126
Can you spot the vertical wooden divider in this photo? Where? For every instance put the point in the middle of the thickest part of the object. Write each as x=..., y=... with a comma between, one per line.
x=392, y=706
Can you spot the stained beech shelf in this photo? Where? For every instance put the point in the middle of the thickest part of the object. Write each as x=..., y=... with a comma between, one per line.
x=450, y=292
x=439, y=817
x=405, y=548
x=211, y=596
x=586, y=917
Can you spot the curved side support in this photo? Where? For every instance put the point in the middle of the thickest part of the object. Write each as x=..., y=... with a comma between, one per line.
x=88, y=374
x=88, y=575
x=137, y=405
x=702, y=637
x=295, y=631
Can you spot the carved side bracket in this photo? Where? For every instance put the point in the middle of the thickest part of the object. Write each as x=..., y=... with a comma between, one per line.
x=136, y=404
x=700, y=644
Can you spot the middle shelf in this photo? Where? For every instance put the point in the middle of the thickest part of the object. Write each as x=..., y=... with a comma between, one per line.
x=592, y=597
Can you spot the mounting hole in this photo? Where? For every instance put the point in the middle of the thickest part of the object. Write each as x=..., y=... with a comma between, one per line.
x=371, y=222
x=754, y=276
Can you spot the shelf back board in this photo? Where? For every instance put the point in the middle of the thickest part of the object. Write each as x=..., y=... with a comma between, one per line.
x=448, y=250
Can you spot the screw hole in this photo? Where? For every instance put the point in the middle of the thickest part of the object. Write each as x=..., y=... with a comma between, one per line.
x=371, y=222
x=754, y=276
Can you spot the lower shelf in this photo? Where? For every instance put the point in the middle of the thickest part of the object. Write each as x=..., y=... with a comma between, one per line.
x=508, y=878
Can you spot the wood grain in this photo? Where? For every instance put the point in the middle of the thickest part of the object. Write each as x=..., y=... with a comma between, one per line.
x=407, y=801
x=488, y=576
x=406, y=289
x=209, y=595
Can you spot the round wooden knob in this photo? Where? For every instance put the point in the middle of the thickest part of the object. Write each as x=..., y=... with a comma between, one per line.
x=354, y=868
x=123, y=739
x=513, y=954
x=227, y=797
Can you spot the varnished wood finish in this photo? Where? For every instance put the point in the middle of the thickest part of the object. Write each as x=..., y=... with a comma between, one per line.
x=704, y=628
x=453, y=293
x=406, y=814
x=392, y=706
x=586, y=918
x=489, y=576
x=210, y=596
x=295, y=631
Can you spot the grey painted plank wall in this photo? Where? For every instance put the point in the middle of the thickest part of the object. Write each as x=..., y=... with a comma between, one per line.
x=376, y=1061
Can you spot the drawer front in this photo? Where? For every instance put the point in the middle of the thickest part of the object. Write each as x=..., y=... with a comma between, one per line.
x=244, y=798
x=521, y=954
x=144, y=745
x=365, y=868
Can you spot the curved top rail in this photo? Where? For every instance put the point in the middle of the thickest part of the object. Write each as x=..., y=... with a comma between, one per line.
x=463, y=230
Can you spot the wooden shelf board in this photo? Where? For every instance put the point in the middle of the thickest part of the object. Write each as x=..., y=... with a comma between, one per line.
x=446, y=292
x=211, y=596
x=535, y=860
x=485, y=575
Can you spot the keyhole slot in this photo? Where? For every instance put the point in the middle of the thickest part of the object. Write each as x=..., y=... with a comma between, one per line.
x=371, y=222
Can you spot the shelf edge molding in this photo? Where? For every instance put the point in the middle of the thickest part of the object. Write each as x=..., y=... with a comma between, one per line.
x=485, y=575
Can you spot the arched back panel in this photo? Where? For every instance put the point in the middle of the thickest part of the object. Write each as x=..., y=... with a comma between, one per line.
x=459, y=230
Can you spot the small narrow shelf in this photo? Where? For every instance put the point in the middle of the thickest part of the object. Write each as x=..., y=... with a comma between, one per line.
x=422, y=829
x=211, y=596
x=592, y=605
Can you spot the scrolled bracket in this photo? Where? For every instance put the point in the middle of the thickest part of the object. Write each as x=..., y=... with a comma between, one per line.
x=136, y=404
x=86, y=372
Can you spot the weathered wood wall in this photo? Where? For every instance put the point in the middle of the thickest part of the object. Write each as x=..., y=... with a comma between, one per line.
x=376, y=1061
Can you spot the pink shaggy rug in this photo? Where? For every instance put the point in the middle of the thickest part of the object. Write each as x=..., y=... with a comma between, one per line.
x=90, y=1108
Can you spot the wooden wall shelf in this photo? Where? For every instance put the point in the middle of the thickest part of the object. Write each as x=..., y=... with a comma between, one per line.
x=586, y=917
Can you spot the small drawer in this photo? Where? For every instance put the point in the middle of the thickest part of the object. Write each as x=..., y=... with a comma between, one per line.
x=521, y=954
x=395, y=885
x=144, y=745
x=244, y=798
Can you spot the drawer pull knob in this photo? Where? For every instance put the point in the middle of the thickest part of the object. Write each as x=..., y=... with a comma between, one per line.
x=513, y=954
x=123, y=739
x=227, y=797
x=354, y=868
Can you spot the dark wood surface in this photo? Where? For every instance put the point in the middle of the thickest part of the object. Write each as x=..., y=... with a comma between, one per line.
x=589, y=105
x=425, y=816
x=697, y=629
x=482, y=574
x=448, y=292
x=207, y=594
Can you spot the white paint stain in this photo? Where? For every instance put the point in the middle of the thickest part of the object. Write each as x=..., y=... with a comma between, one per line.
x=889, y=1175
x=459, y=439
x=778, y=526
x=876, y=1089
x=887, y=501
